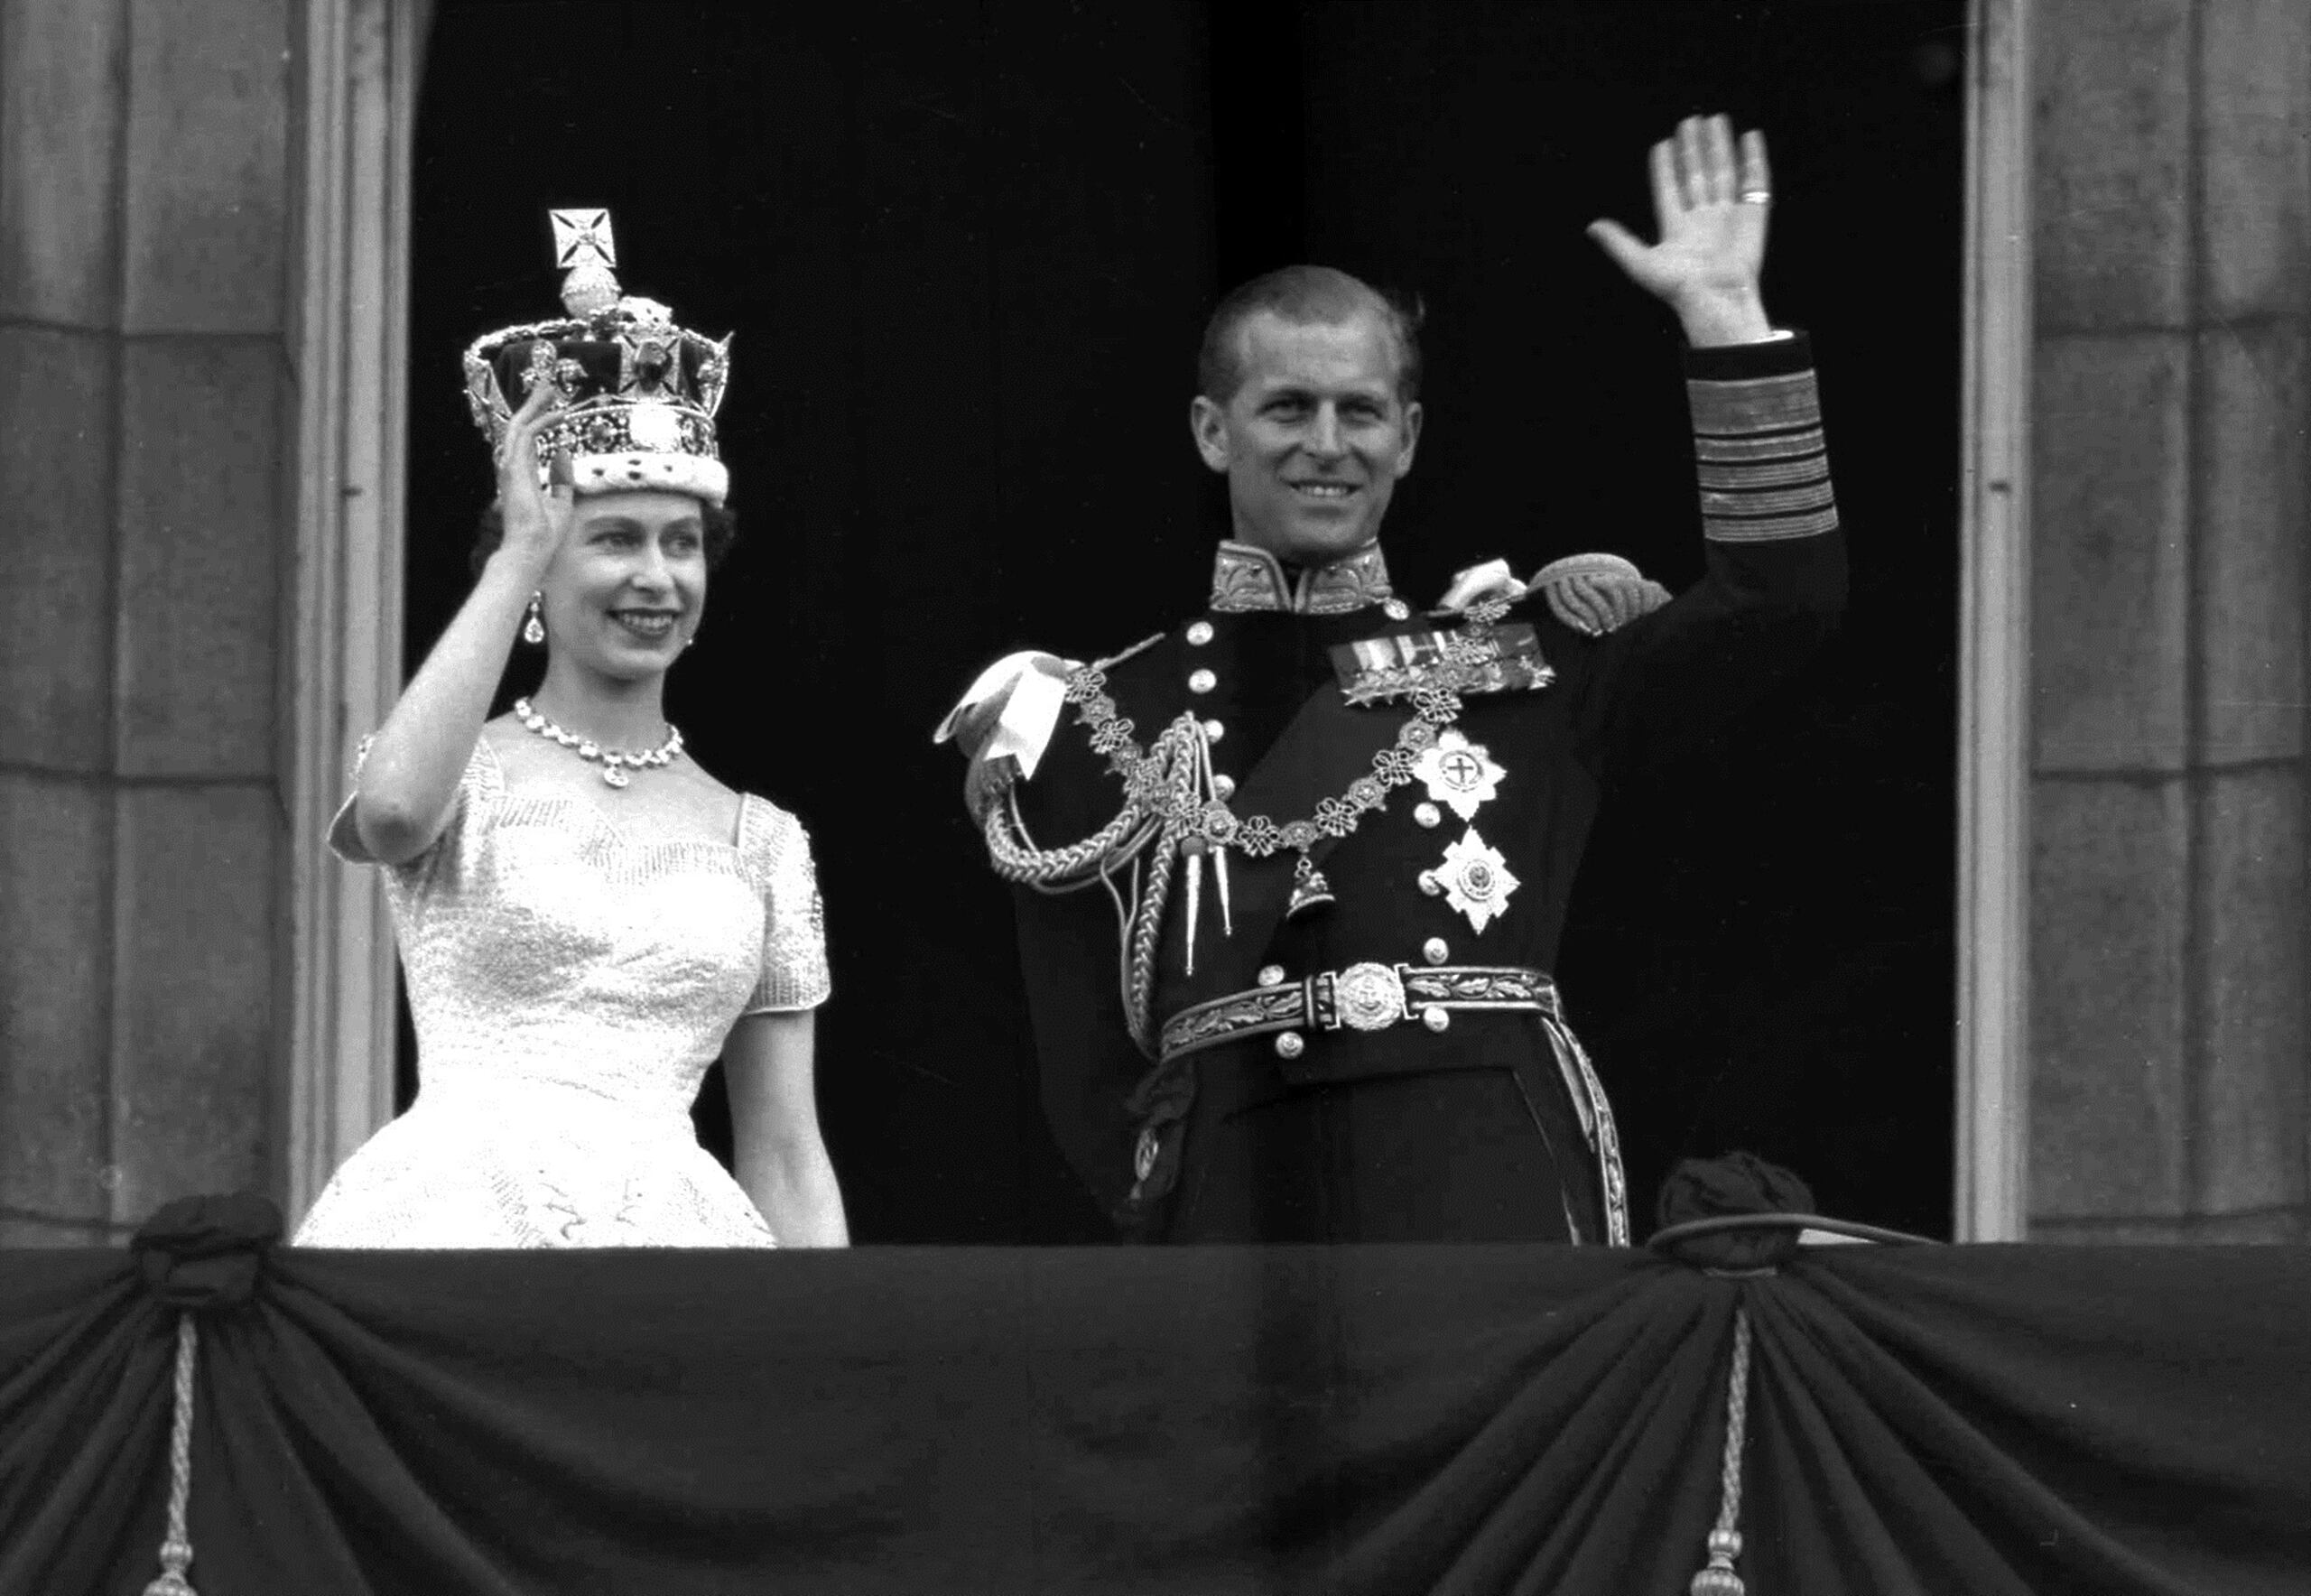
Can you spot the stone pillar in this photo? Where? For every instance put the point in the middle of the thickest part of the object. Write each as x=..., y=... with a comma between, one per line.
x=2172, y=194
x=145, y=358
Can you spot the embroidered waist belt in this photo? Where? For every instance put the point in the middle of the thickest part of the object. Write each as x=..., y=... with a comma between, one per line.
x=1367, y=997
x=1373, y=996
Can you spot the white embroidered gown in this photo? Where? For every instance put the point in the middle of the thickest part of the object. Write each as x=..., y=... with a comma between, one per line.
x=571, y=985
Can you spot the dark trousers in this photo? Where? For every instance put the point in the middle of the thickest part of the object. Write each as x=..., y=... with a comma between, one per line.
x=1490, y=1152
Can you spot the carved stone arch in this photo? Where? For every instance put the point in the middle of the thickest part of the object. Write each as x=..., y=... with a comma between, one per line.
x=1992, y=1128
x=358, y=98
x=357, y=102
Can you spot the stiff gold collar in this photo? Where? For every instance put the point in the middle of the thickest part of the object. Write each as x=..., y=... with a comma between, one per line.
x=1244, y=578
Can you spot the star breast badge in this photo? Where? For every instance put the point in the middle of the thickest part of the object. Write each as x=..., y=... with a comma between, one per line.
x=1477, y=879
x=1460, y=774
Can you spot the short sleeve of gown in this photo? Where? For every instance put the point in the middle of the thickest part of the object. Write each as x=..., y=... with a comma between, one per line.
x=482, y=784
x=795, y=975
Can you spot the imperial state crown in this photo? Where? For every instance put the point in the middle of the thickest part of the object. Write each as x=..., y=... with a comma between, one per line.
x=634, y=396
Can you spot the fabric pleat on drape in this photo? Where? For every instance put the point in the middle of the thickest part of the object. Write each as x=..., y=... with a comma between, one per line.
x=1461, y=1419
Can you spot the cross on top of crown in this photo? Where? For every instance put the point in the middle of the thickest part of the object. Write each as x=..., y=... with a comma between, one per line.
x=583, y=236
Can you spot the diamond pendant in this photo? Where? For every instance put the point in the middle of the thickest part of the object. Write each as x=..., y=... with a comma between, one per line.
x=617, y=769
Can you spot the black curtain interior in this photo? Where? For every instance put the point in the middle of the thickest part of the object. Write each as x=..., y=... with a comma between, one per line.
x=966, y=250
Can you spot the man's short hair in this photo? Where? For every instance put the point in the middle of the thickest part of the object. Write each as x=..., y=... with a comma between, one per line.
x=1303, y=295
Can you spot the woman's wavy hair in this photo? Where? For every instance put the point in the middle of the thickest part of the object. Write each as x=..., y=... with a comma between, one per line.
x=721, y=530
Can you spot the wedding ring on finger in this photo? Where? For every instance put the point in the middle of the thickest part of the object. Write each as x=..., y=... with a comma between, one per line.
x=1757, y=197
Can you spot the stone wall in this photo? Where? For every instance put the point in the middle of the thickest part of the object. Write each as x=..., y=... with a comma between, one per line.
x=2172, y=194
x=146, y=387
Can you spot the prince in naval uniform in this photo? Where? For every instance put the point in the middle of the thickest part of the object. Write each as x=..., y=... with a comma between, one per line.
x=1291, y=875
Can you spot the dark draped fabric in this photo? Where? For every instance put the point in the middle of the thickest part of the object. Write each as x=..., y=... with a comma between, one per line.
x=1475, y=1419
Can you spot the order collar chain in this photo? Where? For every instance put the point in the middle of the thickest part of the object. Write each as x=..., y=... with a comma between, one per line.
x=1171, y=784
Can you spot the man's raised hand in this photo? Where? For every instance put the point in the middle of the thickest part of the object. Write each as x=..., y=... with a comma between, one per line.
x=1710, y=203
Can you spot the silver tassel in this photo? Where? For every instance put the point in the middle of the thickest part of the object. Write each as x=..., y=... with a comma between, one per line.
x=176, y=1547
x=1193, y=848
x=1719, y=1578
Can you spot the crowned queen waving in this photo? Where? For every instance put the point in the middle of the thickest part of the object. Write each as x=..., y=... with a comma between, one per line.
x=586, y=918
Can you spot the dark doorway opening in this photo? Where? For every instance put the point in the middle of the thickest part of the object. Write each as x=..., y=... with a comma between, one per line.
x=967, y=251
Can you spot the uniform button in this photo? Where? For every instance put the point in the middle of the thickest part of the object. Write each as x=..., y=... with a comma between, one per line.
x=1434, y=950
x=1223, y=787
x=1202, y=681
x=1396, y=610
x=1289, y=1046
x=1271, y=974
x=1430, y=884
x=1427, y=815
x=1435, y=1019
x=1214, y=730
x=1199, y=633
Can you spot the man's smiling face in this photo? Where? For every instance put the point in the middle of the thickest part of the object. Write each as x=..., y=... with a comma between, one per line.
x=1313, y=438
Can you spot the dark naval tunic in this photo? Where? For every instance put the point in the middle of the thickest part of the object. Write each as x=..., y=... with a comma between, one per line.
x=1391, y=1064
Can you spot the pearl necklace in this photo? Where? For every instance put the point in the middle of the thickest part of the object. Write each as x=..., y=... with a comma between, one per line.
x=614, y=764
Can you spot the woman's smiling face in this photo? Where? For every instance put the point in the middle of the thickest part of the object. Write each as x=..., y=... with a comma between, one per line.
x=623, y=595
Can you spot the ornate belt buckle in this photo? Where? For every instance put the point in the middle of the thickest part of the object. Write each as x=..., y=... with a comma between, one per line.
x=1368, y=996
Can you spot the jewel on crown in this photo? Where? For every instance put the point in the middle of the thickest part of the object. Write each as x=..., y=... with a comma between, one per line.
x=635, y=394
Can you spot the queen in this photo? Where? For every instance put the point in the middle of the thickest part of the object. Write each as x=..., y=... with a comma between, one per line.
x=586, y=918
